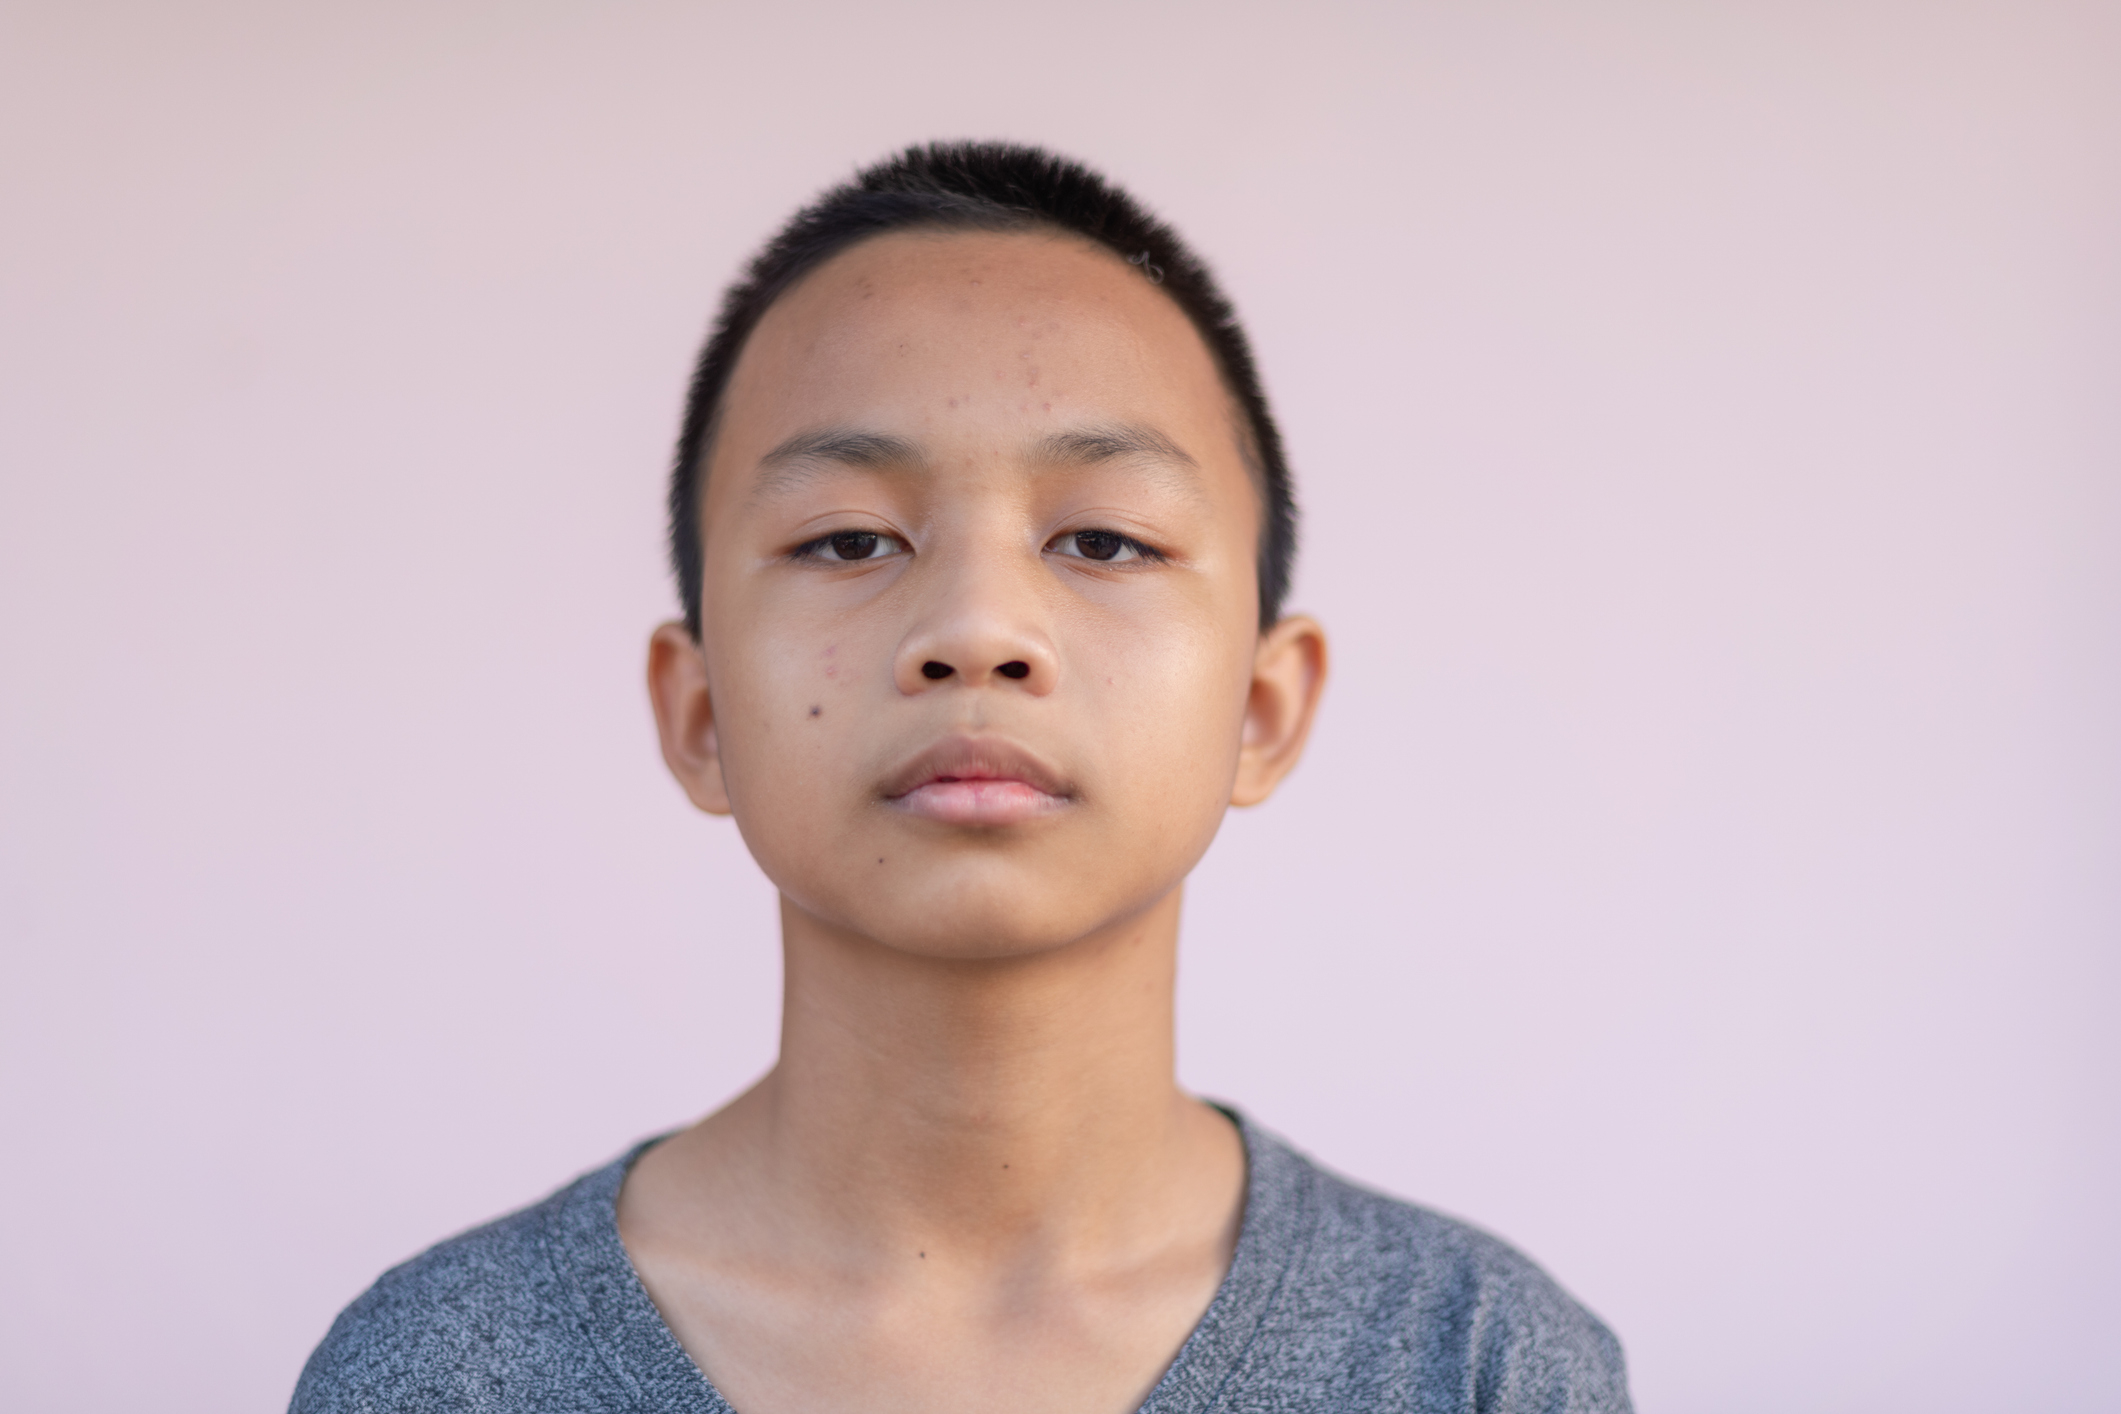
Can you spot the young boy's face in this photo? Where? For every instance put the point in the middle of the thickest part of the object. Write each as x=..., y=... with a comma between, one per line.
x=979, y=666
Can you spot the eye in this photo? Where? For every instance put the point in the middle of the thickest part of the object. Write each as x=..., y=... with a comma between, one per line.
x=851, y=545
x=1104, y=546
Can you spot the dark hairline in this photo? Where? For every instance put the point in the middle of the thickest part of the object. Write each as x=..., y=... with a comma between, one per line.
x=943, y=188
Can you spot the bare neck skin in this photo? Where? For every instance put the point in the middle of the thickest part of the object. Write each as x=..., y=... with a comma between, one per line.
x=988, y=1104
x=964, y=1182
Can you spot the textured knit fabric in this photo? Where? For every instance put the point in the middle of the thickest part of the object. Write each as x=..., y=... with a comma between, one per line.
x=1338, y=1299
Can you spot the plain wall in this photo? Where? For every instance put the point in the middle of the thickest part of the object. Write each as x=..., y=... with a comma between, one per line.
x=1709, y=432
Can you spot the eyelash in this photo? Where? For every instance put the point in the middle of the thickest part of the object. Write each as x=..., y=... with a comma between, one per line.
x=813, y=549
x=1143, y=554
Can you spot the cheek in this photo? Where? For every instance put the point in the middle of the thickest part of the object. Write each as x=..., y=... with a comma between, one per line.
x=1171, y=712
x=782, y=714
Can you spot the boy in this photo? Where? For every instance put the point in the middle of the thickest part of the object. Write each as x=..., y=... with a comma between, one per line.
x=982, y=528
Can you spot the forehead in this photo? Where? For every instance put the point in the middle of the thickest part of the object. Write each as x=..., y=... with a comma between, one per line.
x=946, y=332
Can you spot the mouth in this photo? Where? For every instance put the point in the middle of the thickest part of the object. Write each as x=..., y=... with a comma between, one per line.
x=977, y=781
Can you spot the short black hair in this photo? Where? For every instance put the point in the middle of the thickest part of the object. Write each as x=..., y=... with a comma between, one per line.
x=982, y=186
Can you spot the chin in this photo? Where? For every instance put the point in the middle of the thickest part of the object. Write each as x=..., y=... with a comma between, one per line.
x=993, y=918
x=972, y=947
x=979, y=930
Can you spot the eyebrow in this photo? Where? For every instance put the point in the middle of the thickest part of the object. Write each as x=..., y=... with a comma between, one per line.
x=845, y=445
x=1110, y=441
x=808, y=454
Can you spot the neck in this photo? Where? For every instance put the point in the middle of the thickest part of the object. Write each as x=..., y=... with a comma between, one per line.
x=1006, y=1109
x=1009, y=1098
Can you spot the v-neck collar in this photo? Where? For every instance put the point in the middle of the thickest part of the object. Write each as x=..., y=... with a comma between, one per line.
x=589, y=1263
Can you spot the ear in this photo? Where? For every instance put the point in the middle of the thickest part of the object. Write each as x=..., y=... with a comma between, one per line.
x=1288, y=675
x=684, y=717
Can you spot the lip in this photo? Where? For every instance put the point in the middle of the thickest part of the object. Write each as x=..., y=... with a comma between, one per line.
x=977, y=781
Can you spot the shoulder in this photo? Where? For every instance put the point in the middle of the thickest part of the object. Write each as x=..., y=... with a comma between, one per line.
x=484, y=1321
x=1420, y=1310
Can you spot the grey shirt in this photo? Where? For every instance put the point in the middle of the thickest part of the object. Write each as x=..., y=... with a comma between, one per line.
x=1338, y=1299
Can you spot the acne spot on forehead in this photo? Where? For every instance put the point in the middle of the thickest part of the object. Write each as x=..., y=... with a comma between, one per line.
x=909, y=333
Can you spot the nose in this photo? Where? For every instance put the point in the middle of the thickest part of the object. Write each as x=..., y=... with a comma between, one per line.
x=982, y=626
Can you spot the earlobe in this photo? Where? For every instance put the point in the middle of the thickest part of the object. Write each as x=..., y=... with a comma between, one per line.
x=684, y=716
x=1288, y=677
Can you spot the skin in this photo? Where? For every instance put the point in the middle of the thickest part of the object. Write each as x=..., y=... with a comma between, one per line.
x=978, y=753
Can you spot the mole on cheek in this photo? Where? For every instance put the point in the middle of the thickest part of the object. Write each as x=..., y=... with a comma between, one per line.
x=817, y=711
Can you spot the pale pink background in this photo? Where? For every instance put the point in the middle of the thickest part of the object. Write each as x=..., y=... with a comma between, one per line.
x=1709, y=427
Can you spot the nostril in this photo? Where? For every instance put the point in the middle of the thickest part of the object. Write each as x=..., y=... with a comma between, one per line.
x=933, y=669
x=1015, y=670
